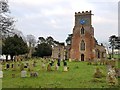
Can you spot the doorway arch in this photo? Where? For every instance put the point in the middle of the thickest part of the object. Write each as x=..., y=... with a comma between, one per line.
x=82, y=57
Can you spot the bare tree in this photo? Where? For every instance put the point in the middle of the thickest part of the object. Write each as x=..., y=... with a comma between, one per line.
x=31, y=43
x=6, y=22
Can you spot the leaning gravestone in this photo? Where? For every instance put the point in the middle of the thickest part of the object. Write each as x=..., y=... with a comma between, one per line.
x=23, y=73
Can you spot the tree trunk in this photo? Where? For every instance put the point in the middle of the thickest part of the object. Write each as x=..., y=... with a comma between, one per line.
x=11, y=56
x=112, y=52
x=6, y=58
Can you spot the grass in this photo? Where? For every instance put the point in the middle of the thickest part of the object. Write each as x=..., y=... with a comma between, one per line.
x=80, y=75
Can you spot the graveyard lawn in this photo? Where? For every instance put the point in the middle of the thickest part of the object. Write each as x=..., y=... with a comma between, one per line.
x=79, y=75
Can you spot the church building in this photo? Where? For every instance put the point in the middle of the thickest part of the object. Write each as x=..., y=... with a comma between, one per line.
x=84, y=46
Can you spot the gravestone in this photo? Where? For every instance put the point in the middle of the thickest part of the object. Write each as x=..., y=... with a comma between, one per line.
x=58, y=62
x=12, y=65
x=49, y=67
x=7, y=66
x=111, y=76
x=65, y=66
x=117, y=70
x=23, y=73
x=0, y=67
x=70, y=60
x=56, y=67
x=64, y=63
x=43, y=66
x=65, y=69
x=1, y=74
x=98, y=73
x=25, y=66
x=34, y=74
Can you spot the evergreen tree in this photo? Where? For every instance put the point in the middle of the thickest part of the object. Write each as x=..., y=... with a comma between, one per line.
x=14, y=46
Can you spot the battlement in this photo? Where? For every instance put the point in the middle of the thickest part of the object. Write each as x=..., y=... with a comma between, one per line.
x=84, y=13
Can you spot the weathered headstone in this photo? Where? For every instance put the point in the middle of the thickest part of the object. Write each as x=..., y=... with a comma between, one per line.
x=111, y=76
x=23, y=73
x=1, y=74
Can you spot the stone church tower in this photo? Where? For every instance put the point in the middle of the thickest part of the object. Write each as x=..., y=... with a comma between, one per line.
x=83, y=45
x=83, y=41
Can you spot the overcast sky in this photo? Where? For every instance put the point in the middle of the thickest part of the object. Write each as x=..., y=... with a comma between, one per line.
x=56, y=17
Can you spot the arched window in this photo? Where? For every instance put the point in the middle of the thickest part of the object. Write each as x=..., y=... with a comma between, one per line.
x=98, y=53
x=82, y=31
x=82, y=45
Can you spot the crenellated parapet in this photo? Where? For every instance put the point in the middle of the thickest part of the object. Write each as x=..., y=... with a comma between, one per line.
x=84, y=13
